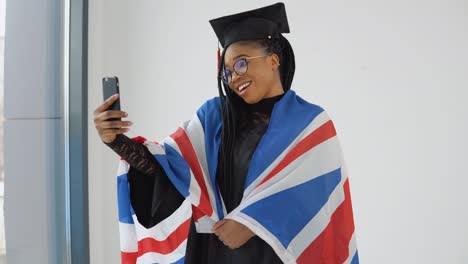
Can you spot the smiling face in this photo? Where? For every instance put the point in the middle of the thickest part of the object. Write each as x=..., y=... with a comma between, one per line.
x=262, y=79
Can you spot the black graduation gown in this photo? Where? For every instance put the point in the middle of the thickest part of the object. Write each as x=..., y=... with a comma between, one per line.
x=154, y=198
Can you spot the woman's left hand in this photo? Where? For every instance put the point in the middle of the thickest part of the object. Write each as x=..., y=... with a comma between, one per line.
x=233, y=234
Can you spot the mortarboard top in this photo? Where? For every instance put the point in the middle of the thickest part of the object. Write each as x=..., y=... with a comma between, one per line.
x=266, y=22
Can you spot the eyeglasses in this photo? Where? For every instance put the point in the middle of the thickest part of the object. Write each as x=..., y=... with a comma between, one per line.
x=240, y=68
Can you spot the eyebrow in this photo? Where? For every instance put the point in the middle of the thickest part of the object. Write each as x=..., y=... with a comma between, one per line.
x=236, y=57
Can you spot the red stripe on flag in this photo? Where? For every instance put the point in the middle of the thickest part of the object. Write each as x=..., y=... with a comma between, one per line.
x=196, y=213
x=128, y=257
x=332, y=245
x=139, y=139
x=188, y=152
x=316, y=137
x=167, y=246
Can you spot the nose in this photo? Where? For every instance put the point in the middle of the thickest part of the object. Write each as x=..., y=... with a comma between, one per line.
x=234, y=77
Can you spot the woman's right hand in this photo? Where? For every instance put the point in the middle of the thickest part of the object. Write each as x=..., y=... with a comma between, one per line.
x=108, y=130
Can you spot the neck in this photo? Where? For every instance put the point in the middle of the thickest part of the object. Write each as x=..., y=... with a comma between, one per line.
x=264, y=106
x=277, y=89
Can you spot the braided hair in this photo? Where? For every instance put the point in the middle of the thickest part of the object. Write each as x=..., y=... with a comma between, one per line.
x=230, y=101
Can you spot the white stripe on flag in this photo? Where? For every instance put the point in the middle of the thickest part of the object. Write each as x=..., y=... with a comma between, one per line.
x=352, y=249
x=318, y=121
x=155, y=148
x=128, y=239
x=167, y=226
x=123, y=168
x=204, y=224
x=320, y=160
x=196, y=134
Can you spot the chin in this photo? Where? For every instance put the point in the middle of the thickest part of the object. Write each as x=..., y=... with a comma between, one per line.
x=251, y=100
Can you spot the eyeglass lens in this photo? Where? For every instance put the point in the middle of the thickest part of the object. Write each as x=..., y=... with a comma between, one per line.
x=240, y=68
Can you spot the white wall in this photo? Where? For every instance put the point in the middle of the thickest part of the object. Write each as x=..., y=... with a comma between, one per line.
x=392, y=74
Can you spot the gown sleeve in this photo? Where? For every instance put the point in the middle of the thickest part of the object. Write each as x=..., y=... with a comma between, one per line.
x=152, y=195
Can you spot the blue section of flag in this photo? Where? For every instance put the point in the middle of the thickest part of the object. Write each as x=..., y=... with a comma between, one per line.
x=176, y=169
x=210, y=117
x=180, y=261
x=123, y=198
x=355, y=259
x=301, y=203
x=291, y=112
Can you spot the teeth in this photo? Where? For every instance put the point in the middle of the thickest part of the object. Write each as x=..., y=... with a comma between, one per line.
x=242, y=87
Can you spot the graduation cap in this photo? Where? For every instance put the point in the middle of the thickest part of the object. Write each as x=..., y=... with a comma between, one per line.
x=265, y=22
x=262, y=23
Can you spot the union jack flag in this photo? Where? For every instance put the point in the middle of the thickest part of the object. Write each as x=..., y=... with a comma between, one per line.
x=296, y=195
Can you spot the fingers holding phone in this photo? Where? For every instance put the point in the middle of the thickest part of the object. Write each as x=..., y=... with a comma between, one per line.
x=108, y=123
x=108, y=116
x=107, y=104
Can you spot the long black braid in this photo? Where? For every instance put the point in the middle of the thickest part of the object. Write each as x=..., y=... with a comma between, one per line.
x=230, y=102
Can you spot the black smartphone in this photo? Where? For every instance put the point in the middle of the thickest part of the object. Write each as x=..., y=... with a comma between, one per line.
x=110, y=86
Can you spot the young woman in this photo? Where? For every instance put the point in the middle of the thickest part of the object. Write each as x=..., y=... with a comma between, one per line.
x=255, y=177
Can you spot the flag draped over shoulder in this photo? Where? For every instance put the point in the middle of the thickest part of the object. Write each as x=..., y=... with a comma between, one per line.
x=296, y=194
